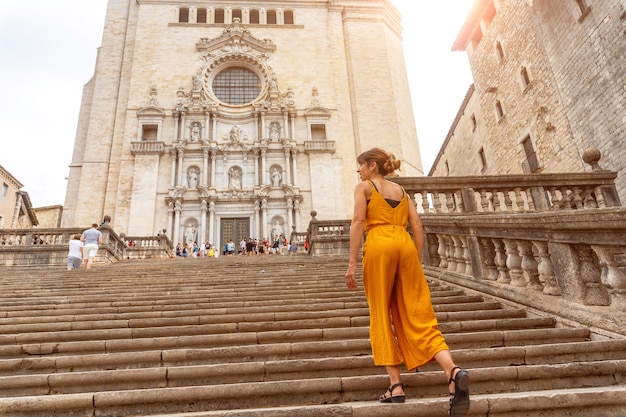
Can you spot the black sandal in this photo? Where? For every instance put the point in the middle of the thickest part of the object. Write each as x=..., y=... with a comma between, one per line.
x=393, y=398
x=460, y=401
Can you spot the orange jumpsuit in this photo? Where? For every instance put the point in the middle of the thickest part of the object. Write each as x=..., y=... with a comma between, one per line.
x=396, y=289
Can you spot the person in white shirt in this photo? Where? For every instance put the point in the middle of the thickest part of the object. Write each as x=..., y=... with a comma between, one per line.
x=92, y=238
x=75, y=255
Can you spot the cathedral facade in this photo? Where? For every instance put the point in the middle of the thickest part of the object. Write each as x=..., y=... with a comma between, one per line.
x=223, y=120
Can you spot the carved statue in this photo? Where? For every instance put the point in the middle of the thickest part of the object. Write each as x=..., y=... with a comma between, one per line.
x=276, y=177
x=190, y=234
x=234, y=134
x=277, y=231
x=195, y=133
x=275, y=132
x=192, y=179
x=196, y=82
x=234, y=179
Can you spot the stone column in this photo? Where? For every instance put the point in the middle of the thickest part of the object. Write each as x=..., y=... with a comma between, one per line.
x=296, y=206
x=294, y=155
x=205, y=165
x=176, y=125
x=287, y=133
x=292, y=131
x=256, y=167
x=265, y=133
x=257, y=219
x=207, y=121
x=264, y=222
x=211, y=222
x=214, y=133
x=202, y=234
x=176, y=229
x=183, y=130
x=181, y=154
x=289, y=217
x=173, y=152
x=213, y=156
x=287, y=176
x=170, y=220
x=264, y=174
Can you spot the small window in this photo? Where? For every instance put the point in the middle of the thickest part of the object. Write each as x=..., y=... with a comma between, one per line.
x=318, y=132
x=499, y=51
x=271, y=17
x=219, y=15
x=499, y=110
x=483, y=160
x=254, y=17
x=201, y=17
x=473, y=120
x=531, y=164
x=149, y=132
x=288, y=16
x=237, y=15
x=447, y=168
x=5, y=189
x=583, y=8
x=183, y=15
x=525, y=78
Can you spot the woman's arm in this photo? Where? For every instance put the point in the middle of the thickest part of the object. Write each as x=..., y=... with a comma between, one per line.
x=356, y=232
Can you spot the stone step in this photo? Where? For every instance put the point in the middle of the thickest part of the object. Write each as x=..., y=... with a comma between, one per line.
x=277, y=336
x=347, y=389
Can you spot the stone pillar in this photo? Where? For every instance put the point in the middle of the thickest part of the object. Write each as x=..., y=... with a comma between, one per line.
x=212, y=222
x=205, y=165
x=176, y=125
x=264, y=221
x=202, y=234
x=170, y=220
x=176, y=229
x=294, y=167
x=264, y=174
x=256, y=167
x=287, y=176
x=207, y=121
x=289, y=217
x=257, y=220
x=292, y=131
x=173, y=152
x=287, y=133
x=183, y=128
x=296, y=209
x=213, y=157
x=265, y=133
x=214, y=133
x=179, y=175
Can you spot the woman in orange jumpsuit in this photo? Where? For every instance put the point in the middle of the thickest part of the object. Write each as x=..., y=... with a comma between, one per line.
x=403, y=326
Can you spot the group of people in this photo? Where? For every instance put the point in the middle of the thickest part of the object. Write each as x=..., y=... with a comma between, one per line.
x=83, y=248
x=247, y=246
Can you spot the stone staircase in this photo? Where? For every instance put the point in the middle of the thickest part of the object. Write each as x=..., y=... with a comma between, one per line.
x=272, y=336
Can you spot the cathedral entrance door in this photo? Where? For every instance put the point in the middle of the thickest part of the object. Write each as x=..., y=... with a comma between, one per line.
x=235, y=229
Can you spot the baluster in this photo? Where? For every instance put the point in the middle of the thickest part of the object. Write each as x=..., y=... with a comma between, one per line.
x=514, y=263
x=466, y=257
x=425, y=204
x=554, y=200
x=612, y=277
x=443, y=259
x=546, y=270
x=500, y=261
x=458, y=254
x=599, y=197
x=452, y=253
x=590, y=274
x=508, y=203
x=529, y=199
x=484, y=201
x=460, y=205
x=437, y=202
x=566, y=199
x=588, y=199
x=577, y=198
x=519, y=200
x=449, y=202
x=487, y=258
x=530, y=265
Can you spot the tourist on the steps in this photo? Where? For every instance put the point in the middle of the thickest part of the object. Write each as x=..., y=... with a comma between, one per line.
x=403, y=326
x=91, y=238
x=75, y=254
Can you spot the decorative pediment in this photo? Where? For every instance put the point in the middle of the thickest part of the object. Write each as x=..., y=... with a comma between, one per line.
x=151, y=111
x=235, y=38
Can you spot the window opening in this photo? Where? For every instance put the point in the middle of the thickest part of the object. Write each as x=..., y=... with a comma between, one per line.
x=219, y=15
x=149, y=132
x=201, y=16
x=525, y=77
x=183, y=15
x=288, y=16
x=254, y=16
x=237, y=15
x=473, y=120
x=483, y=159
x=271, y=17
x=318, y=132
x=531, y=164
x=499, y=110
x=499, y=51
x=5, y=189
x=236, y=85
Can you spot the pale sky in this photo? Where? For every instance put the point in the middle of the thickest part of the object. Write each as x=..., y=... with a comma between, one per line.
x=48, y=51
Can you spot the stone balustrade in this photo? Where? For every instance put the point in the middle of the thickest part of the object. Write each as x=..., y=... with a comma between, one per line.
x=144, y=247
